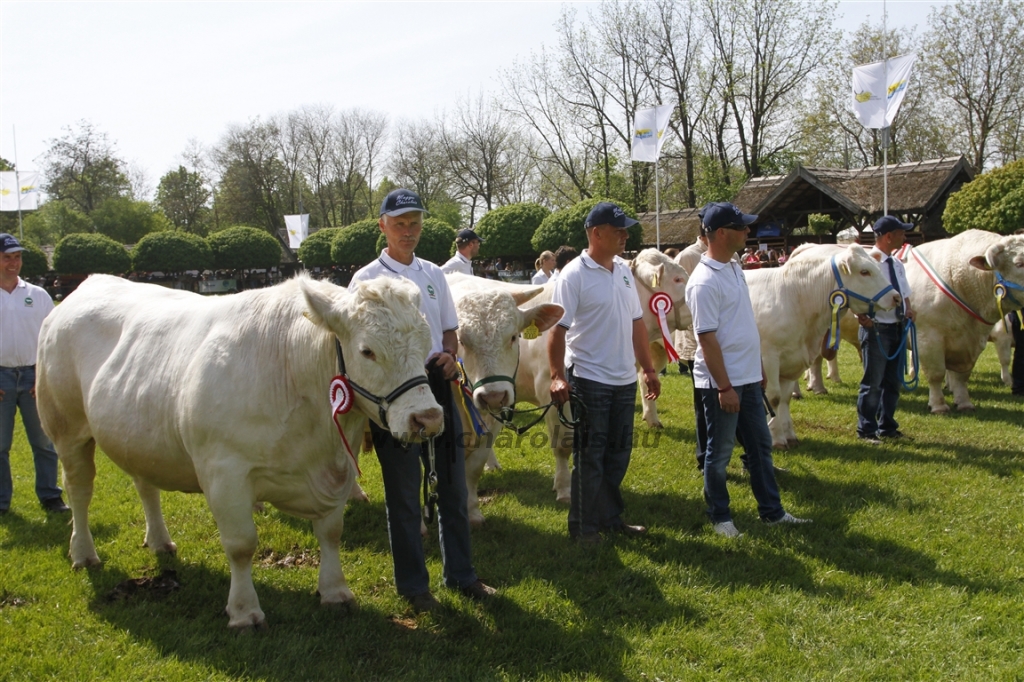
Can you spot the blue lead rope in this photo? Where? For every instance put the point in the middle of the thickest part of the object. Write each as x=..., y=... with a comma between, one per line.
x=900, y=355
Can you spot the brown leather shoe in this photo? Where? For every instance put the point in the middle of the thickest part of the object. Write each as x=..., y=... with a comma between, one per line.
x=478, y=591
x=424, y=603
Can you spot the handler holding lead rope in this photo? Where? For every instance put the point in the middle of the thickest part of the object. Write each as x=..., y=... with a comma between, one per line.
x=401, y=221
x=604, y=333
x=881, y=338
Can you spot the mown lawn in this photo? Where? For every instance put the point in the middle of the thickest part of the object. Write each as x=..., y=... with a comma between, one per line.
x=912, y=570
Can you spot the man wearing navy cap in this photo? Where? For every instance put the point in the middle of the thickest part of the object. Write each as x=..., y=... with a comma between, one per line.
x=727, y=370
x=467, y=245
x=401, y=221
x=880, y=338
x=23, y=307
x=593, y=349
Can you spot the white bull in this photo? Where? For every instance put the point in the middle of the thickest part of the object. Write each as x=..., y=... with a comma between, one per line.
x=229, y=396
x=951, y=334
x=490, y=324
x=792, y=311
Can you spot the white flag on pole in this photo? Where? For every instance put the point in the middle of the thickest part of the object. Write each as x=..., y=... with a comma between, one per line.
x=298, y=229
x=875, y=101
x=19, y=190
x=649, y=127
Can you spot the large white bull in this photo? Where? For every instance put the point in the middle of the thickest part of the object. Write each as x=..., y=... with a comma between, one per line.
x=792, y=311
x=229, y=396
x=952, y=282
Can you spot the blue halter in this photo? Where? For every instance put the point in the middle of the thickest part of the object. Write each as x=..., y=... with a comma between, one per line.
x=1007, y=286
x=843, y=291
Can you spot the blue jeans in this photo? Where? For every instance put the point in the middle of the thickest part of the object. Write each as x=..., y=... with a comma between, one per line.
x=600, y=455
x=402, y=471
x=723, y=428
x=880, y=386
x=16, y=382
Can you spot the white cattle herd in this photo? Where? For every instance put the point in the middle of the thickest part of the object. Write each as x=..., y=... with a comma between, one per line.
x=232, y=396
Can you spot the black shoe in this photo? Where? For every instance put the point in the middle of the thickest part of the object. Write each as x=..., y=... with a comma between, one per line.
x=424, y=603
x=895, y=435
x=871, y=439
x=55, y=505
x=478, y=591
x=589, y=539
x=4, y=511
x=629, y=531
x=683, y=369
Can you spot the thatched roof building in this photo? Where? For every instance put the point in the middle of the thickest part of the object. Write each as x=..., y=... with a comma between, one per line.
x=852, y=198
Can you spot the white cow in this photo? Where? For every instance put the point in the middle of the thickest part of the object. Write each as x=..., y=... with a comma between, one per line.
x=950, y=338
x=490, y=324
x=229, y=396
x=849, y=328
x=792, y=311
x=1002, y=339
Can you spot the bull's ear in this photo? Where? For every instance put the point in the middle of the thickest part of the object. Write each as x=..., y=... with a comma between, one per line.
x=523, y=295
x=544, y=316
x=877, y=255
x=989, y=261
x=318, y=304
x=659, y=274
x=980, y=262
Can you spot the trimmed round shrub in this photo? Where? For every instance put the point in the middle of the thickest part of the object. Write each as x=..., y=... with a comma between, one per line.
x=993, y=201
x=315, y=251
x=244, y=248
x=84, y=254
x=566, y=227
x=507, y=230
x=172, y=251
x=356, y=245
x=33, y=261
x=436, y=241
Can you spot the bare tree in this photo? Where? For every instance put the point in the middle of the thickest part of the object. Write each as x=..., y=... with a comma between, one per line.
x=316, y=132
x=252, y=175
x=418, y=161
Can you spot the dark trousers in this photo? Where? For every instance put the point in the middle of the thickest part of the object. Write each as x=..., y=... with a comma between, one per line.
x=1017, y=367
x=880, y=386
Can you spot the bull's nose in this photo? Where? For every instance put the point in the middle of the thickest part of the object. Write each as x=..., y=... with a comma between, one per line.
x=426, y=423
x=494, y=400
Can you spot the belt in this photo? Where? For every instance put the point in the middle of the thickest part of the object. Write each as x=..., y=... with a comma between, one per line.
x=21, y=367
x=887, y=324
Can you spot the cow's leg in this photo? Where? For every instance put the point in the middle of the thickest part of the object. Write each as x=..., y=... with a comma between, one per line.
x=786, y=426
x=833, y=371
x=932, y=361
x=79, y=463
x=561, y=446
x=158, y=538
x=331, y=584
x=1004, y=351
x=476, y=460
x=773, y=391
x=815, y=383
x=650, y=407
x=231, y=503
x=958, y=386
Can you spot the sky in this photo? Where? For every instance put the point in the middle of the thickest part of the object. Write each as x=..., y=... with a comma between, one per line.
x=154, y=75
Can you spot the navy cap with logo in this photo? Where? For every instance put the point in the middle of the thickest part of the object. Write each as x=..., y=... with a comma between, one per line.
x=467, y=235
x=401, y=201
x=723, y=214
x=8, y=244
x=607, y=213
x=888, y=223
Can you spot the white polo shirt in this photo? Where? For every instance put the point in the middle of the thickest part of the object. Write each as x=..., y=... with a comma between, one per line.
x=600, y=308
x=436, y=301
x=539, y=278
x=889, y=316
x=719, y=301
x=458, y=263
x=21, y=315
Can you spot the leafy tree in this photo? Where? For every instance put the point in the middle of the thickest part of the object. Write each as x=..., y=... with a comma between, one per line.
x=172, y=251
x=436, y=241
x=254, y=180
x=33, y=261
x=993, y=201
x=244, y=248
x=507, y=230
x=55, y=220
x=566, y=227
x=84, y=254
x=357, y=243
x=184, y=199
x=315, y=251
x=127, y=221
x=82, y=169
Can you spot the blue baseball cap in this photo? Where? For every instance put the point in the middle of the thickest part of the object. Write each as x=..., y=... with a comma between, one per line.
x=468, y=235
x=401, y=201
x=8, y=244
x=723, y=214
x=607, y=213
x=888, y=223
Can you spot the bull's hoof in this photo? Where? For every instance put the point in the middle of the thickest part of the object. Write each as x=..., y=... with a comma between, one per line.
x=797, y=395
x=358, y=495
x=163, y=548
x=563, y=498
x=820, y=390
x=349, y=605
x=967, y=407
x=941, y=409
x=655, y=424
x=254, y=622
x=476, y=520
x=793, y=442
x=780, y=446
x=86, y=562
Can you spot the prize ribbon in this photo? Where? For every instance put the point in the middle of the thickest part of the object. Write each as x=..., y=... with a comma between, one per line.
x=661, y=305
x=341, y=403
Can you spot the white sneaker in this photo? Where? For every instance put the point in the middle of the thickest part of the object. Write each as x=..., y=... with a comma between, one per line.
x=788, y=518
x=728, y=529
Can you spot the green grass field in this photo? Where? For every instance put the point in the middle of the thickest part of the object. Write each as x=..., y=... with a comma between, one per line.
x=912, y=570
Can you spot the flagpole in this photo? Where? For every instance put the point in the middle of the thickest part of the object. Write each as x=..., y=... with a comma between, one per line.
x=17, y=181
x=657, y=207
x=885, y=130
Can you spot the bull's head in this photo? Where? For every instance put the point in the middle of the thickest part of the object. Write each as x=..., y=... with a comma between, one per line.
x=384, y=340
x=862, y=275
x=1005, y=259
x=655, y=272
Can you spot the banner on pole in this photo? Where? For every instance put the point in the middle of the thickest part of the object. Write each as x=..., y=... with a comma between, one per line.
x=879, y=88
x=19, y=191
x=298, y=229
x=649, y=127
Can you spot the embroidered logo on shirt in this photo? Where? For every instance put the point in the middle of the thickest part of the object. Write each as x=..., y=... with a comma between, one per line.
x=430, y=290
x=28, y=301
x=626, y=280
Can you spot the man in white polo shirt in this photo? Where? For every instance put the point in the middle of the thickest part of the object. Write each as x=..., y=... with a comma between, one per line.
x=591, y=352
x=401, y=221
x=467, y=245
x=23, y=307
x=727, y=370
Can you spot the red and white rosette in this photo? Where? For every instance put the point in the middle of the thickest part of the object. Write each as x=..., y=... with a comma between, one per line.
x=341, y=402
x=661, y=305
